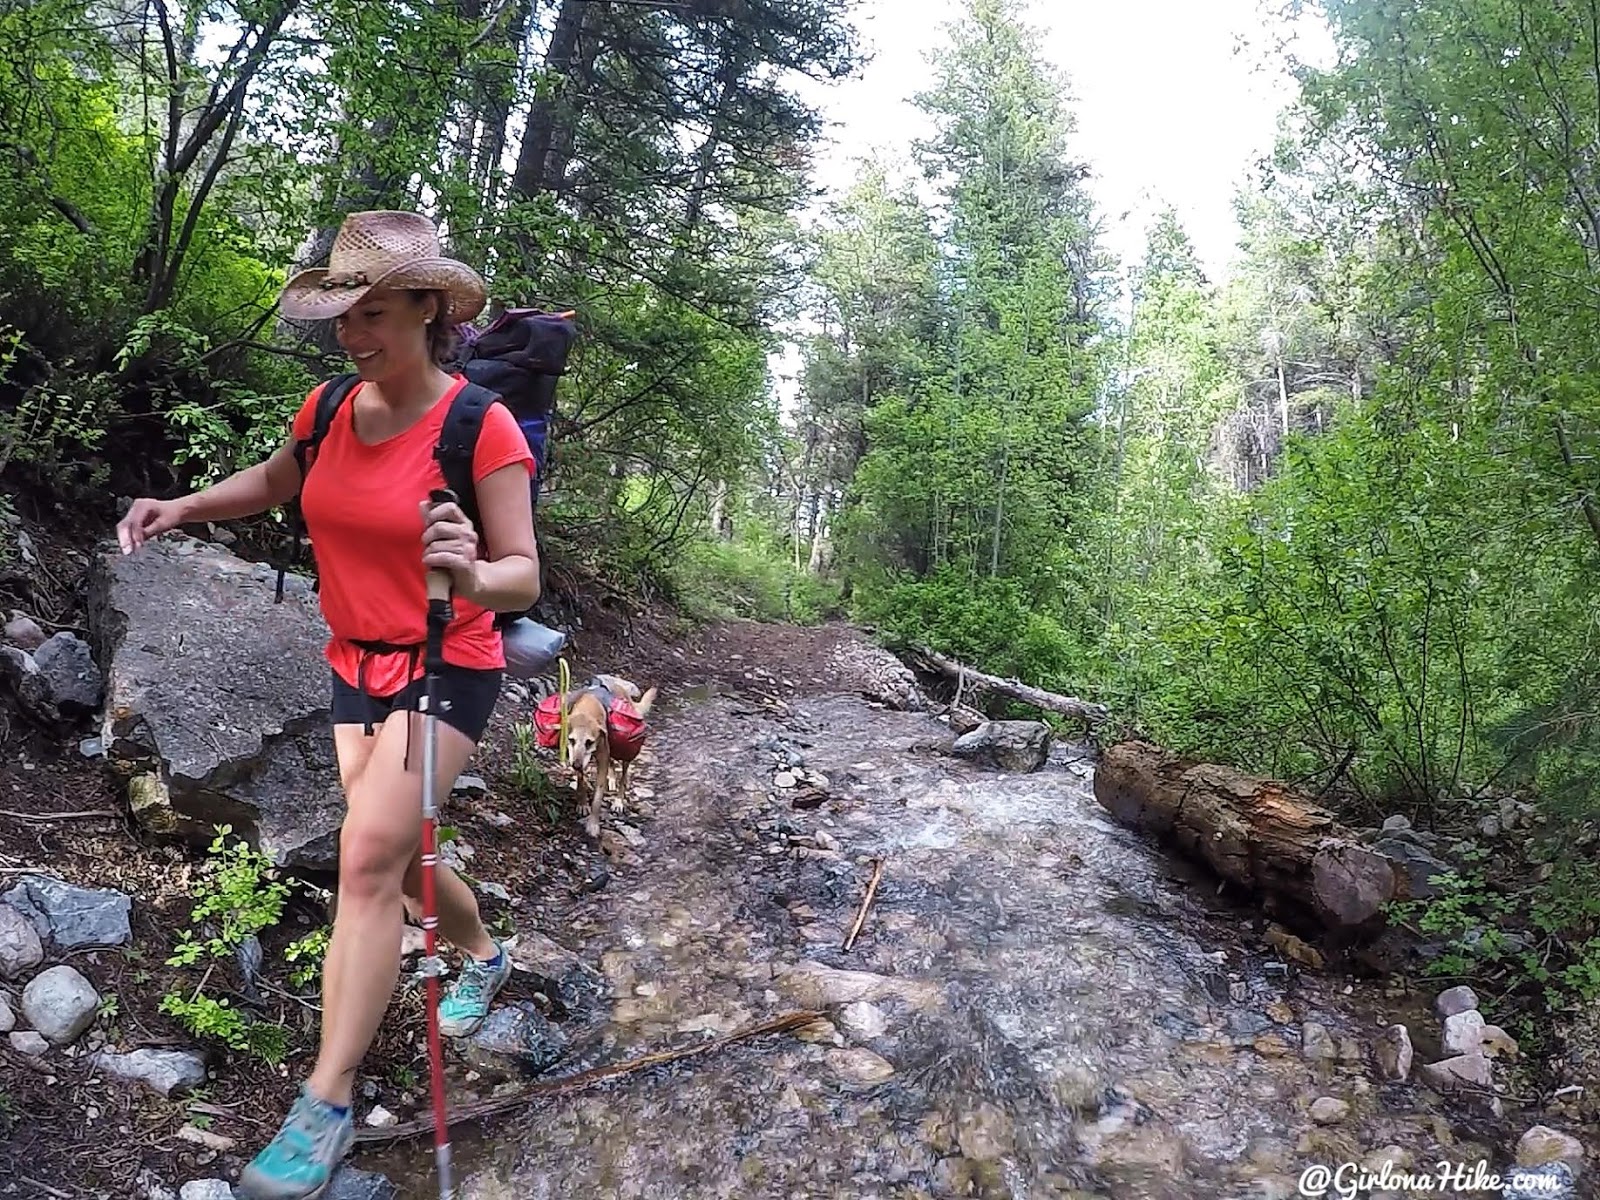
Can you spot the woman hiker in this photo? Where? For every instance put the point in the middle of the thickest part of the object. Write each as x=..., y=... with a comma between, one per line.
x=395, y=302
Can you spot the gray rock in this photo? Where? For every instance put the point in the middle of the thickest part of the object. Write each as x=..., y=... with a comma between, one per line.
x=20, y=946
x=1394, y=1053
x=248, y=955
x=72, y=916
x=879, y=675
x=456, y=854
x=515, y=1040
x=92, y=747
x=1329, y=1110
x=26, y=682
x=23, y=632
x=470, y=785
x=70, y=673
x=1317, y=1043
x=165, y=1072
x=574, y=988
x=1468, y=1075
x=1542, y=1145
x=1396, y=823
x=859, y=1066
x=1463, y=1032
x=962, y=719
x=29, y=1042
x=351, y=1184
x=862, y=1020
x=1419, y=865
x=1454, y=1000
x=1248, y=1024
x=217, y=698
x=60, y=1004
x=1006, y=745
x=1449, y=1073
x=206, y=1189
x=8, y=1019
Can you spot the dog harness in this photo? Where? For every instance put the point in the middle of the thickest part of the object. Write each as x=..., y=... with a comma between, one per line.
x=625, y=728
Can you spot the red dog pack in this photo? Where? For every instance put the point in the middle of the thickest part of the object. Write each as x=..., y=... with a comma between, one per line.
x=625, y=728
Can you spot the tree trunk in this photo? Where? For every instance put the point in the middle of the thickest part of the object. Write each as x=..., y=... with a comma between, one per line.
x=819, y=538
x=192, y=133
x=1251, y=831
x=1067, y=706
x=1283, y=399
x=500, y=87
x=534, y=169
x=999, y=509
x=728, y=76
x=721, y=527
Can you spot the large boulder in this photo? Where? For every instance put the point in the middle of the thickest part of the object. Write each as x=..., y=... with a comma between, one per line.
x=217, y=698
x=1006, y=745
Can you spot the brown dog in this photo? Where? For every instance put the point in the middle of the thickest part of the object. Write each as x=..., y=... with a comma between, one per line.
x=588, y=742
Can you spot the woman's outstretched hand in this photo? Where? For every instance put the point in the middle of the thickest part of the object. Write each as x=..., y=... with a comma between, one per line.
x=147, y=519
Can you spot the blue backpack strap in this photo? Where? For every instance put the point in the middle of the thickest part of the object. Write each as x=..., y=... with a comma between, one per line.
x=334, y=393
x=458, y=442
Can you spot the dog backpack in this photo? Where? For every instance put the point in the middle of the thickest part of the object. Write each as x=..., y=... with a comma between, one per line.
x=625, y=728
x=517, y=360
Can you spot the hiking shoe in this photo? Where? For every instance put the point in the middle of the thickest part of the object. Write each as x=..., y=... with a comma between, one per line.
x=299, y=1163
x=463, y=1008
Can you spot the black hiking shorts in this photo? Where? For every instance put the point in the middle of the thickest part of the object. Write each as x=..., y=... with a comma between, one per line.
x=467, y=698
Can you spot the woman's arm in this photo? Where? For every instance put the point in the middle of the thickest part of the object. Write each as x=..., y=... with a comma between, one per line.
x=247, y=492
x=243, y=494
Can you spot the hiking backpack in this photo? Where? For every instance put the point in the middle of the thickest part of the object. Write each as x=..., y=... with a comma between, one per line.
x=516, y=360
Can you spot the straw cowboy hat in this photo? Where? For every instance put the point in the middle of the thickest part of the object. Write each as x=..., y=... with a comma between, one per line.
x=397, y=250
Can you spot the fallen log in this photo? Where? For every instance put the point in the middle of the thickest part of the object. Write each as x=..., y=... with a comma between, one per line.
x=1251, y=831
x=966, y=677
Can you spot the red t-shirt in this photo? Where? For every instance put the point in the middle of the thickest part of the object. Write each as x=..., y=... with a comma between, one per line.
x=361, y=507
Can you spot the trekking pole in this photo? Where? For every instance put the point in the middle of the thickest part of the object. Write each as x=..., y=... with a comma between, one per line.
x=440, y=614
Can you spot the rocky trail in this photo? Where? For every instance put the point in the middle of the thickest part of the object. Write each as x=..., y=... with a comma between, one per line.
x=1038, y=1002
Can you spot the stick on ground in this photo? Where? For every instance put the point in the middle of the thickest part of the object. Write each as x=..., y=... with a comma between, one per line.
x=866, y=903
x=583, y=1079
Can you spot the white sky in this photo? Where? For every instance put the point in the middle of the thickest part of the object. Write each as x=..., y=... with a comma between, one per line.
x=1170, y=109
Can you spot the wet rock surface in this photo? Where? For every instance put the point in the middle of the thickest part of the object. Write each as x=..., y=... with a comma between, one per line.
x=1039, y=1004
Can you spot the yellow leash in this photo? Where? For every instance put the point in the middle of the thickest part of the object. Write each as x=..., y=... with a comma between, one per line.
x=561, y=706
